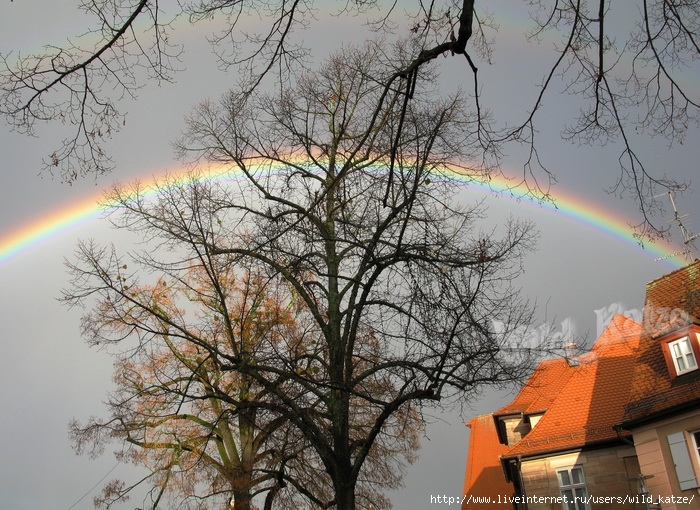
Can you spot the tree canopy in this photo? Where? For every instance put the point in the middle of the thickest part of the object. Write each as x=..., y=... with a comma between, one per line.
x=340, y=196
x=626, y=62
x=205, y=435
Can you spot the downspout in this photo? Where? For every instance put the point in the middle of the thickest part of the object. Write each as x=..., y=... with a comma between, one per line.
x=618, y=431
x=514, y=473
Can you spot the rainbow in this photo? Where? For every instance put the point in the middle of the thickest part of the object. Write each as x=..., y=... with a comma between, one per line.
x=42, y=230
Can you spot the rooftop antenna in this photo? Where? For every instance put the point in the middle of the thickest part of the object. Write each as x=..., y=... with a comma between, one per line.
x=688, y=238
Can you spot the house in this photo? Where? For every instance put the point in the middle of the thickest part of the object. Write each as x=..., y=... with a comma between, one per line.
x=663, y=410
x=611, y=428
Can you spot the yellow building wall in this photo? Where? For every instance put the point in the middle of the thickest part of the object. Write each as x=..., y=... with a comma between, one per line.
x=656, y=462
x=609, y=473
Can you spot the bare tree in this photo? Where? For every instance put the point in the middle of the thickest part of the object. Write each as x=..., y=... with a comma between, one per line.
x=342, y=194
x=630, y=83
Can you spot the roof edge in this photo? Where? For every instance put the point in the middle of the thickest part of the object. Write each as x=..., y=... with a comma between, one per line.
x=661, y=414
x=666, y=275
x=592, y=445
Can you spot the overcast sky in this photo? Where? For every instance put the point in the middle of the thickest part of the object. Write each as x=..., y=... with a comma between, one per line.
x=50, y=376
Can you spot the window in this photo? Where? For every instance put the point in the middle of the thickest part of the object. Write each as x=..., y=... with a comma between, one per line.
x=572, y=486
x=694, y=440
x=681, y=349
x=682, y=355
x=681, y=458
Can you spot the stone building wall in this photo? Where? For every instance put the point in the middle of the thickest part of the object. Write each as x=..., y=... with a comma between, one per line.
x=608, y=472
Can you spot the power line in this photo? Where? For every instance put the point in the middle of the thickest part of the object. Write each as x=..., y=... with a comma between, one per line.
x=93, y=487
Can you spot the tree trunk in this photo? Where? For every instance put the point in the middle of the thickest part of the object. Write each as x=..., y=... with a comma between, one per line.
x=345, y=496
x=242, y=500
x=344, y=487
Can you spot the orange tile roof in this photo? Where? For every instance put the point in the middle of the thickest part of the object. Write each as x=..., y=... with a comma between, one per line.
x=622, y=380
x=484, y=475
x=543, y=386
x=591, y=402
x=672, y=301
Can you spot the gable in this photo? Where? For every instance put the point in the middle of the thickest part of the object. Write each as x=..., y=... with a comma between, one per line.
x=484, y=476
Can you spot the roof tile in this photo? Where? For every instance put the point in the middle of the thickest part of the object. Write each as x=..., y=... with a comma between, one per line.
x=591, y=403
x=672, y=302
x=484, y=475
x=543, y=386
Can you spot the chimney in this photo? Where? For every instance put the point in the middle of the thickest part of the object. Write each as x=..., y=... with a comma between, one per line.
x=571, y=353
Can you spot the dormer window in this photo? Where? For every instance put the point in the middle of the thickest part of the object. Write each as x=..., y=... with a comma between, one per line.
x=682, y=355
x=681, y=349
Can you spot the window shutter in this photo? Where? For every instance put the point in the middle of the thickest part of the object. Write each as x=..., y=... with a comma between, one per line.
x=681, y=458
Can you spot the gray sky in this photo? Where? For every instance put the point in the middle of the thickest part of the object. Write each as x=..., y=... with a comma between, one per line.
x=50, y=375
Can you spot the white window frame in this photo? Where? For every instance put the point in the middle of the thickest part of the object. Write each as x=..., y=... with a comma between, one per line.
x=683, y=355
x=573, y=488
